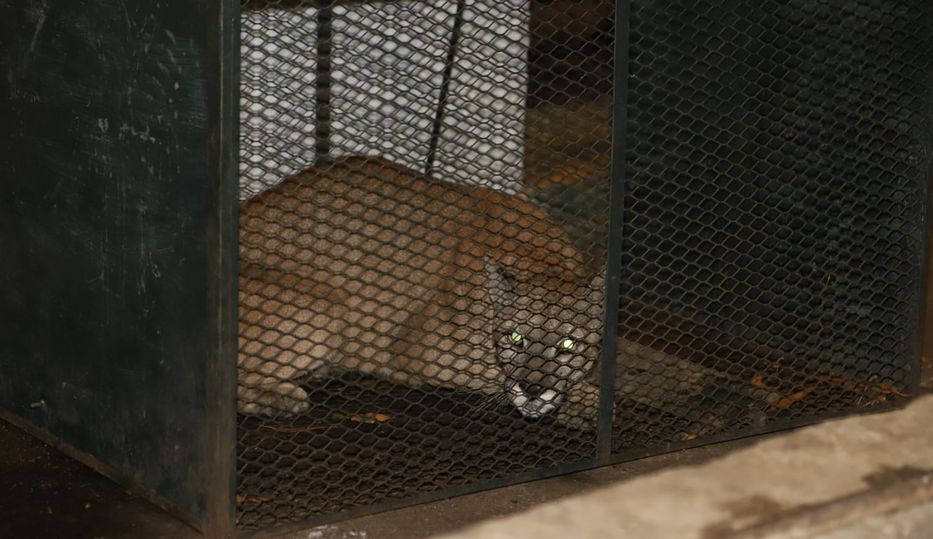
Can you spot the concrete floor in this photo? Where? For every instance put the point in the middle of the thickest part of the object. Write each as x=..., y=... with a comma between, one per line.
x=48, y=495
x=865, y=476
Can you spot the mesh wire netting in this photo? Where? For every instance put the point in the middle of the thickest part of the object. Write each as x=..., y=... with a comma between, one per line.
x=412, y=309
x=777, y=162
x=425, y=218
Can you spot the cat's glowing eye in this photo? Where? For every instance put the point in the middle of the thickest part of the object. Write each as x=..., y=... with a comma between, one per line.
x=567, y=344
x=516, y=337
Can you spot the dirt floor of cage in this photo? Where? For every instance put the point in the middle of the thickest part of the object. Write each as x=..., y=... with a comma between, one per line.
x=739, y=408
x=367, y=441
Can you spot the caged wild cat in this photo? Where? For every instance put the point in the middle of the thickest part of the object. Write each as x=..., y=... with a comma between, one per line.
x=363, y=265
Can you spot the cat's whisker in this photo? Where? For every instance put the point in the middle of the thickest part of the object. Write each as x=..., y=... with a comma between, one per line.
x=503, y=399
x=484, y=405
x=491, y=402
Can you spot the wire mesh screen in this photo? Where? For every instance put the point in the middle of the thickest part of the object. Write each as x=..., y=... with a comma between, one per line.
x=421, y=263
x=427, y=222
x=777, y=164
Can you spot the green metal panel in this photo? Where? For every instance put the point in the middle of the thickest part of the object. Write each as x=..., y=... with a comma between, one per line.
x=115, y=227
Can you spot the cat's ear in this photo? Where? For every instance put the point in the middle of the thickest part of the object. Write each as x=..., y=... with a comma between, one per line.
x=499, y=285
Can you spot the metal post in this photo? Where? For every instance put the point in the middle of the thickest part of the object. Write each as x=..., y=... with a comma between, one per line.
x=323, y=82
x=614, y=248
x=445, y=86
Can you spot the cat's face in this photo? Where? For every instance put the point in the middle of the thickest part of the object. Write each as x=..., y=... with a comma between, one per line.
x=545, y=342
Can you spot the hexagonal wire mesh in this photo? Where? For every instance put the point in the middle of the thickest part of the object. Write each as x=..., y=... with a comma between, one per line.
x=426, y=203
x=410, y=316
x=775, y=198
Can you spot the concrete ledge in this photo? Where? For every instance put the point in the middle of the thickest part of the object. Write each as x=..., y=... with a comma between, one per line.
x=866, y=476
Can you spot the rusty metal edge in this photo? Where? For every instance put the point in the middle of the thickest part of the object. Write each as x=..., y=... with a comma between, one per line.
x=924, y=338
x=223, y=93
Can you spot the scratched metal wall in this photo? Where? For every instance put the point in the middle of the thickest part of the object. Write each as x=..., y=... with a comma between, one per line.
x=110, y=232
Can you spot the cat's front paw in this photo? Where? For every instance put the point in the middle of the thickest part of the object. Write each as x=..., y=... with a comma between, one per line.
x=282, y=398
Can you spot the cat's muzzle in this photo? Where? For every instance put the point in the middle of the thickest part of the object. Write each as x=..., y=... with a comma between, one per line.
x=534, y=405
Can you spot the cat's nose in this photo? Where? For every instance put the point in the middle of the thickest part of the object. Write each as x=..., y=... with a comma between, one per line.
x=533, y=390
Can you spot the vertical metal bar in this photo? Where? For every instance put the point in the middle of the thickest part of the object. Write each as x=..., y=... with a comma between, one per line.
x=614, y=249
x=223, y=87
x=322, y=81
x=445, y=86
x=923, y=341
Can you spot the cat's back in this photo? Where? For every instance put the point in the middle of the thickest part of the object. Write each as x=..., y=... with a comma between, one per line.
x=371, y=212
x=356, y=192
x=361, y=218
